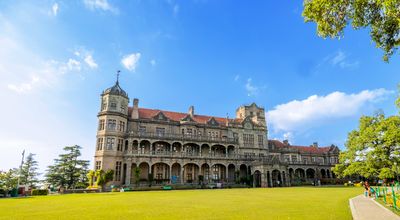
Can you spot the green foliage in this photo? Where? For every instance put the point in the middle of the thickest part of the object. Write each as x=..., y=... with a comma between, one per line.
x=39, y=192
x=68, y=171
x=9, y=179
x=29, y=172
x=381, y=17
x=90, y=175
x=373, y=150
x=102, y=178
x=137, y=175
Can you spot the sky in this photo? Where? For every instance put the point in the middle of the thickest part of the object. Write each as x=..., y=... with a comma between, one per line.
x=56, y=57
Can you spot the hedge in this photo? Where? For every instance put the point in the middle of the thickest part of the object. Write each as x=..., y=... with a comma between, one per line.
x=39, y=192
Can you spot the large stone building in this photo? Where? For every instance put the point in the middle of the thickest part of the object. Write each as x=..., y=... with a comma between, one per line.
x=183, y=148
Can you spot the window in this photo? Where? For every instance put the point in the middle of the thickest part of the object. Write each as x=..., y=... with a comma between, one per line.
x=305, y=160
x=251, y=113
x=142, y=129
x=110, y=143
x=120, y=144
x=118, y=171
x=160, y=132
x=287, y=158
x=235, y=136
x=111, y=124
x=313, y=159
x=113, y=105
x=101, y=125
x=100, y=144
x=294, y=158
x=189, y=131
x=104, y=106
x=248, y=139
x=122, y=108
x=260, y=140
x=121, y=126
x=98, y=165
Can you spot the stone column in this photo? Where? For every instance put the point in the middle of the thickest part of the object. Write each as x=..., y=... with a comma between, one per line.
x=128, y=174
x=181, y=177
x=170, y=174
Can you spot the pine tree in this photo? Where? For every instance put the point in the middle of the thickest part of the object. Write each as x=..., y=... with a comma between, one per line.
x=68, y=171
x=29, y=172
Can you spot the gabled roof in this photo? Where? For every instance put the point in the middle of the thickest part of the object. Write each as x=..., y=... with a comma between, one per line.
x=304, y=149
x=145, y=113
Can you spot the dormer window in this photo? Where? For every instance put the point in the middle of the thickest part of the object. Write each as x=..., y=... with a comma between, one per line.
x=104, y=106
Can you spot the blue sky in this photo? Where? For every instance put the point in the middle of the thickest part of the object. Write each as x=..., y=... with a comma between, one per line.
x=57, y=56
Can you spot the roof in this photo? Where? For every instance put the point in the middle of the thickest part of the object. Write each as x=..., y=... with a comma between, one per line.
x=178, y=116
x=145, y=113
x=304, y=149
x=115, y=90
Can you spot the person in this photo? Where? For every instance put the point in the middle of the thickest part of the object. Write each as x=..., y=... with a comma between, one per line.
x=366, y=186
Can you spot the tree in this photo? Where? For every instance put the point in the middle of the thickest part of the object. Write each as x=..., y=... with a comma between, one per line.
x=29, y=171
x=68, y=171
x=8, y=180
x=381, y=17
x=373, y=150
x=102, y=178
x=137, y=175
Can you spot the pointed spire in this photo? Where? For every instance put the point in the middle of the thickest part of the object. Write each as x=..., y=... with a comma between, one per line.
x=118, y=71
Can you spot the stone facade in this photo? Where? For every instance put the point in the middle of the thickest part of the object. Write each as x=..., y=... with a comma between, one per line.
x=188, y=148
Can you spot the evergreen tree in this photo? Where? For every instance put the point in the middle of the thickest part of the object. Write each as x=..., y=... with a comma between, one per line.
x=29, y=172
x=68, y=171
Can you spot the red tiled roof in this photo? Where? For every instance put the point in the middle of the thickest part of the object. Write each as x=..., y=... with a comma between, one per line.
x=145, y=113
x=304, y=149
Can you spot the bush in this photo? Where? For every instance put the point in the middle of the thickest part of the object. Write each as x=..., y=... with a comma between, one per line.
x=39, y=192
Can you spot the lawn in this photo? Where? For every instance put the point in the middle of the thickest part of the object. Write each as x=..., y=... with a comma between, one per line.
x=260, y=203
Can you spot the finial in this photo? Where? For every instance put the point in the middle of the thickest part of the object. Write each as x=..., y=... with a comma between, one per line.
x=118, y=71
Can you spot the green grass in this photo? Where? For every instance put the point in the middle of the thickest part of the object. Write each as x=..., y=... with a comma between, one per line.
x=261, y=203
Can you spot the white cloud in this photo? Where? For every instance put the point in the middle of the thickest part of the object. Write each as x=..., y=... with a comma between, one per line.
x=341, y=59
x=54, y=9
x=101, y=5
x=24, y=87
x=153, y=62
x=90, y=61
x=74, y=65
x=130, y=61
x=251, y=89
x=304, y=114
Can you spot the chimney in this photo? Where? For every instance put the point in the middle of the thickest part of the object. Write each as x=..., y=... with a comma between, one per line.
x=191, y=111
x=286, y=142
x=315, y=144
x=135, y=109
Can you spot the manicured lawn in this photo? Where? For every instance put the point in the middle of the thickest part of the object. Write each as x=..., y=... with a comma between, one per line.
x=261, y=203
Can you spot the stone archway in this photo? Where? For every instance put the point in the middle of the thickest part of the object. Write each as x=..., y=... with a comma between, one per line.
x=257, y=178
x=144, y=171
x=218, y=172
x=231, y=173
x=300, y=175
x=160, y=173
x=323, y=173
x=243, y=173
x=276, y=178
x=205, y=172
x=190, y=173
x=310, y=174
x=144, y=147
x=160, y=147
x=176, y=173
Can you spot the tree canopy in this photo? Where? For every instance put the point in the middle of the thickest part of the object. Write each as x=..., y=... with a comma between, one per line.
x=68, y=171
x=382, y=17
x=9, y=179
x=373, y=150
x=29, y=171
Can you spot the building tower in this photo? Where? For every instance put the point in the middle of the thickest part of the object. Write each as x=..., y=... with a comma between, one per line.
x=112, y=127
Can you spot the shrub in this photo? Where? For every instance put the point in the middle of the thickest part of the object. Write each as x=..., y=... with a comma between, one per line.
x=39, y=192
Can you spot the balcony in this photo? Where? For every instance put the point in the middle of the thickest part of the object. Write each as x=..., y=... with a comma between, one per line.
x=183, y=137
x=192, y=155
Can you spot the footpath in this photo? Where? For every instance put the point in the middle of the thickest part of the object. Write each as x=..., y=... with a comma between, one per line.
x=363, y=208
